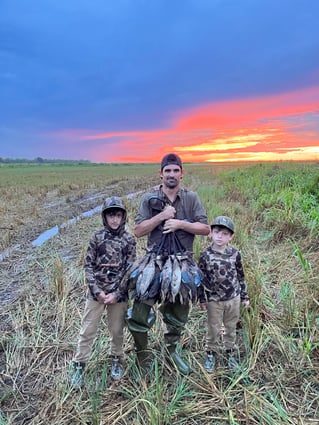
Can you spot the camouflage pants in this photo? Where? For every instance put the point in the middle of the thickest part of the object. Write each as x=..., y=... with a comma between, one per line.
x=221, y=313
x=93, y=312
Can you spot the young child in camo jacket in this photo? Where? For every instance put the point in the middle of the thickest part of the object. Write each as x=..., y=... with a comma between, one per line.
x=110, y=253
x=222, y=291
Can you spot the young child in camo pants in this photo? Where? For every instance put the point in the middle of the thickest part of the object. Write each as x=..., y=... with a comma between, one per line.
x=111, y=251
x=222, y=291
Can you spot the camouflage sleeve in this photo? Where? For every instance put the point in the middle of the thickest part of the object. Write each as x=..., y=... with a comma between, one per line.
x=89, y=263
x=201, y=289
x=131, y=254
x=241, y=278
x=130, y=257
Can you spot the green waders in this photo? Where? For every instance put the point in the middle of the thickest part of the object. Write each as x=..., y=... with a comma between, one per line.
x=140, y=318
x=175, y=316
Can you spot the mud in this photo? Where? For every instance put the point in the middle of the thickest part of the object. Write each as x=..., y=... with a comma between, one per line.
x=54, y=218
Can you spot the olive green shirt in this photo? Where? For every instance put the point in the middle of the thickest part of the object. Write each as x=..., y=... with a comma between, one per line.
x=188, y=207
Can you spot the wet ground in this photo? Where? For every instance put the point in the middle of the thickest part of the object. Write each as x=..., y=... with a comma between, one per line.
x=55, y=218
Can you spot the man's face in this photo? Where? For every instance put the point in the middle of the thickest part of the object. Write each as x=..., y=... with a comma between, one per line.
x=171, y=175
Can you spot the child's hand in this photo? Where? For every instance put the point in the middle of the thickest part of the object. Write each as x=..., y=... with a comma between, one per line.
x=203, y=306
x=245, y=303
x=110, y=299
x=101, y=297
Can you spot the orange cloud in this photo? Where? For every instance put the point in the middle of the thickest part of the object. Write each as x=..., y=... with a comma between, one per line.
x=238, y=113
x=277, y=127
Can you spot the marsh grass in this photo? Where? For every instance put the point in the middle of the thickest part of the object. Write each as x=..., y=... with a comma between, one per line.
x=277, y=382
x=29, y=192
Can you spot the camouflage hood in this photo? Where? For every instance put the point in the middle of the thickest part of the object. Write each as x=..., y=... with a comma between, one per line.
x=114, y=203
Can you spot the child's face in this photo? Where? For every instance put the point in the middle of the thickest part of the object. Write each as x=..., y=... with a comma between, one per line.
x=221, y=236
x=114, y=219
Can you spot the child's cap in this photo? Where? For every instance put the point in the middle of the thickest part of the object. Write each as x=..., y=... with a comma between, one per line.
x=113, y=202
x=224, y=221
x=171, y=158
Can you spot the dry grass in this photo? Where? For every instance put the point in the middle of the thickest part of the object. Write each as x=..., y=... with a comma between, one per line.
x=278, y=382
x=36, y=197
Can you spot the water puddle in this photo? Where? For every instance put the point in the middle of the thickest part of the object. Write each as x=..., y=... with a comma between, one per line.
x=54, y=231
x=45, y=236
x=50, y=233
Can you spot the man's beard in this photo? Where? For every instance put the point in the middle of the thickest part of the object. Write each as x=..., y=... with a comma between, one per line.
x=171, y=183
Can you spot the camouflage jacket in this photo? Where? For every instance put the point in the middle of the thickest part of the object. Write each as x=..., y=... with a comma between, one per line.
x=107, y=259
x=223, y=275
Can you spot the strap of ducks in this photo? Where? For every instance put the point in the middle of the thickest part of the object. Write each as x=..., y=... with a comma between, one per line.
x=166, y=272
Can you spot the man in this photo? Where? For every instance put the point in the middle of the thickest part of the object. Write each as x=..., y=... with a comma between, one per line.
x=169, y=211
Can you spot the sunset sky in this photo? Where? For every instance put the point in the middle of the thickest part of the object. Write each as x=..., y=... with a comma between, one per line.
x=131, y=80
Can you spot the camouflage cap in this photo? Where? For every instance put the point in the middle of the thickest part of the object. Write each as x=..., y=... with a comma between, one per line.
x=224, y=221
x=112, y=203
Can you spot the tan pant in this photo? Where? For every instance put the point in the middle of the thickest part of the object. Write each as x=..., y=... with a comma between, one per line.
x=90, y=322
x=220, y=313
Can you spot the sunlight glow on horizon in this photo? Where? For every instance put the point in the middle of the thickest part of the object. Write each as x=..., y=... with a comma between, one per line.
x=282, y=127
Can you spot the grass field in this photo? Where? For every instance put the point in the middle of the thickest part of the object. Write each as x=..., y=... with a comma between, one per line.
x=275, y=208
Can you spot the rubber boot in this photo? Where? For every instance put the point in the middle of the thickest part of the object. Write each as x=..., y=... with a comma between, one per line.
x=143, y=355
x=175, y=316
x=177, y=360
x=140, y=340
x=140, y=318
x=144, y=361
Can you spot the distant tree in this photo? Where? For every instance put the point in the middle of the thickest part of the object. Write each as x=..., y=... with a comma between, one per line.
x=40, y=160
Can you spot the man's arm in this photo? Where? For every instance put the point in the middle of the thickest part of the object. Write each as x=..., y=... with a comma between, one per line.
x=196, y=228
x=146, y=226
x=195, y=221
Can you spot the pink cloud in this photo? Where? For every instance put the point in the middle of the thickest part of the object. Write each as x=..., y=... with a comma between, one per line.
x=283, y=126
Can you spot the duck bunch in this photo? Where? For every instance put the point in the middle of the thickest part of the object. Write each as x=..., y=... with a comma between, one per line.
x=170, y=277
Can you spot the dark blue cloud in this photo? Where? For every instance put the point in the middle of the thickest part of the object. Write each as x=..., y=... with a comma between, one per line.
x=125, y=64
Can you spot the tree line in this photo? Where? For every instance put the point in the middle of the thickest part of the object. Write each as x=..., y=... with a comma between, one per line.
x=40, y=160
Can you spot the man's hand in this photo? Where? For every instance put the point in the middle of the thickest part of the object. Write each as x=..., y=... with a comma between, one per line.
x=168, y=212
x=171, y=225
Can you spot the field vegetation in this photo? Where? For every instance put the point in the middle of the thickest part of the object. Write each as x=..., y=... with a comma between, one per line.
x=275, y=207
x=29, y=193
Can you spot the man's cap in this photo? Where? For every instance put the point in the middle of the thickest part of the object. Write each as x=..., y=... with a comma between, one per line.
x=171, y=159
x=224, y=221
